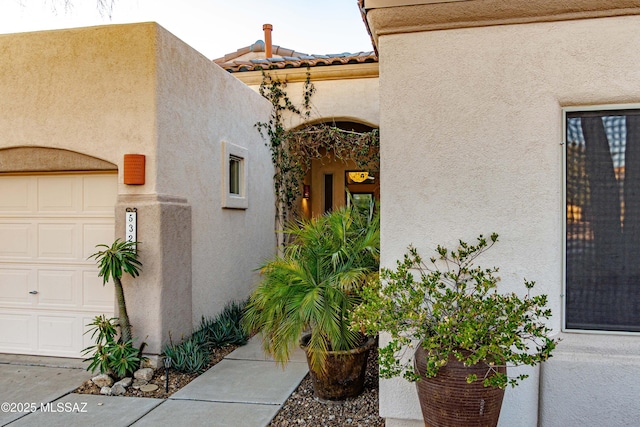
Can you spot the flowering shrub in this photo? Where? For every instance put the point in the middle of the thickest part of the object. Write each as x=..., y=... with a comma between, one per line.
x=452, y=307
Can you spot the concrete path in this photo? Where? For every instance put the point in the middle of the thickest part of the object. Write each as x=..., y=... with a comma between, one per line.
x=246, y=389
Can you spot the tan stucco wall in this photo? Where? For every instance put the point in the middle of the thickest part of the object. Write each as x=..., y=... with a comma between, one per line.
x=471, y=133
x=89, y=91
x=107, y=91
x=200, y=106
x=343, y=92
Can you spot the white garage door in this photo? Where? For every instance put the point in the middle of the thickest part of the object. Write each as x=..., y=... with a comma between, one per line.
x=49, y=291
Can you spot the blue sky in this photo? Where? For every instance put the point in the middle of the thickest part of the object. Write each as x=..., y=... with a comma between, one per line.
x=213, y=27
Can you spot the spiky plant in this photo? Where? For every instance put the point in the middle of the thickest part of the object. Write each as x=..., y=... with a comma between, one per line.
x=312, y=286
x=120, y=257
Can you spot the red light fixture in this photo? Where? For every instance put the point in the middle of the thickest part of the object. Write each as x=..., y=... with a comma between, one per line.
x=306, y=191
x=134, y=169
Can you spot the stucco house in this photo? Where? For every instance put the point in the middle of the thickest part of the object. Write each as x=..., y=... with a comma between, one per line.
x=76, y=104
x=346, y=97
x=515, y=118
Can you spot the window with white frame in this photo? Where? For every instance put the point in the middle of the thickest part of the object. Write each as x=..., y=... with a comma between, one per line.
x=234, y=191
x=602, y=255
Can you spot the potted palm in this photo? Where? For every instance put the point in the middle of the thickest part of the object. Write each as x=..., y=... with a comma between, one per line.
x=310, y=291
x=466, y=333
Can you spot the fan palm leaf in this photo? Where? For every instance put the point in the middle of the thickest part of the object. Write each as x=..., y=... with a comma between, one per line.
x=312, y=286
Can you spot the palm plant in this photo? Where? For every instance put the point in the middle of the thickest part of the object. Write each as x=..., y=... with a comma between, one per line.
x=312, y=286
x=120, y=257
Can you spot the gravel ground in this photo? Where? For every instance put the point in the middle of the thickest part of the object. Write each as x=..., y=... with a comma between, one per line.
x=302, y=409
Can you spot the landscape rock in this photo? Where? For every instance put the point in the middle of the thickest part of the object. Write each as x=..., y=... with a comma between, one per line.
x=148, y=388
x=137, y=383
x=144, y=374
x=152, y=361
x=105, y=390
x=125, y=382
x=118, y=389
x=102, y=380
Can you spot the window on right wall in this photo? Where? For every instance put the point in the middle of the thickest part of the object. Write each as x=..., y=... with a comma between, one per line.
x=602, y=283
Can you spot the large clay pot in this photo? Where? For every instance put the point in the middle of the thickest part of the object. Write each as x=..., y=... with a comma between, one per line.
x=344, y=374
x=447, y=400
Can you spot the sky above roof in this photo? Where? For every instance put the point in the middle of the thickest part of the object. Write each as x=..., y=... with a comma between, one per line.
x=213, y=27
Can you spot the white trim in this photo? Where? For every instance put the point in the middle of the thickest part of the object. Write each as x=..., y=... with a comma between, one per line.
x=230, y=200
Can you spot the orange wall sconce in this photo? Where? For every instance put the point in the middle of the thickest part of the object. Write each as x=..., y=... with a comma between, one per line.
x=306, y=191
x=134, y=169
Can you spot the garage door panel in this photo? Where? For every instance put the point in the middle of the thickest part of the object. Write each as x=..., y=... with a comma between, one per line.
x=16, y=332
x=95, y=296
x=15, y=285
x=59, y=194
x=99, y=194
x=16, y=241
x=58, y=241
x=17, y=195
x=95, y=234
x=60, y=334
x=57, y=288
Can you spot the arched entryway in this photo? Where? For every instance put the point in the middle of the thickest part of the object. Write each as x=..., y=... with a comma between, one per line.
x=329, y=179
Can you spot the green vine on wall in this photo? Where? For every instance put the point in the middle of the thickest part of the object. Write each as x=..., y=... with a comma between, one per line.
x=293, y=150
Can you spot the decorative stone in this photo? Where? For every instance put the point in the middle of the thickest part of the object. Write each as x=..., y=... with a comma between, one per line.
x=125, y=382
x=139, y=383
x=118, y=389
x=152, y=361
x=102, y=380
x=143, y=374
x=148, y=387
x=106, y=391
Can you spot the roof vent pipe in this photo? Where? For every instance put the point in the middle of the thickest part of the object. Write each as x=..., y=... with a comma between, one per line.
x=267, y=39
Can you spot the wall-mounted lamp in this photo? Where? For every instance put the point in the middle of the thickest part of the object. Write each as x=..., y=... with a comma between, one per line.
x=306, y=191
x=134, y=169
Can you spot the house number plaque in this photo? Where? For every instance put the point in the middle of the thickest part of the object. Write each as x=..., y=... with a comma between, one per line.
x=131, y=225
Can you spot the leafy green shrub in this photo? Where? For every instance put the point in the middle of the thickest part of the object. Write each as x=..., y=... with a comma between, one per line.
x=109, y=355
x=452, y=307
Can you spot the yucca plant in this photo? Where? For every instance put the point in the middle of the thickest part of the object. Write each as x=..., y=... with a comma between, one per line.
x=312, y=286
x=120, y=257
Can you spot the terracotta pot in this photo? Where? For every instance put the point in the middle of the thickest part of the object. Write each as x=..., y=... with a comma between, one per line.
x=344, y=374
x=447, y=400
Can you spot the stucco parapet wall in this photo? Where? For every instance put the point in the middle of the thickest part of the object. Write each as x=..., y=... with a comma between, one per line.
x=385, y=17
x=334, y=72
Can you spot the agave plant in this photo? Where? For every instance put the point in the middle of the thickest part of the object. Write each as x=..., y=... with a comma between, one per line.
x=120, y=257
x=312, y=286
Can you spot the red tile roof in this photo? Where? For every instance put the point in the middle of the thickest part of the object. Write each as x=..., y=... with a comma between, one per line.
x=286, y=58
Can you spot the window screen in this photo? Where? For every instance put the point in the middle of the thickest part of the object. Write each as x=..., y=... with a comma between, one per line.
x=603, y=220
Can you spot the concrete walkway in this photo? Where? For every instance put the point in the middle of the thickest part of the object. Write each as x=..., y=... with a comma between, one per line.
x=246, y=389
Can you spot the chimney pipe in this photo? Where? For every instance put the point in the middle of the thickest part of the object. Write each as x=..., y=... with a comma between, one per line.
x=267, y=39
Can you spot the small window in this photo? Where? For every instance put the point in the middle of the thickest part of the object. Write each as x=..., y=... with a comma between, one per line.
x=235, y=172
x=235, y=166
x=602, y=193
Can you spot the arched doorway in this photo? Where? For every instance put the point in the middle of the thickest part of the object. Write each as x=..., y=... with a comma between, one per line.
x=329, y=179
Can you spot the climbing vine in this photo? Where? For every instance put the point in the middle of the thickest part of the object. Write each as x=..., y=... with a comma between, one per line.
x=292, y=150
